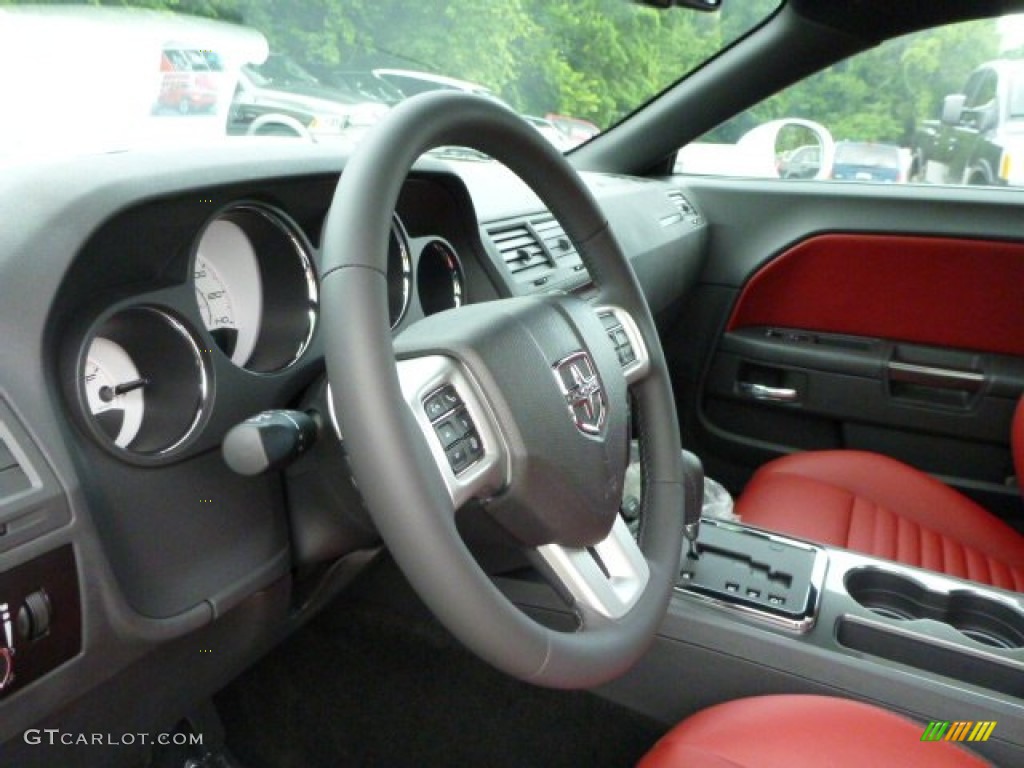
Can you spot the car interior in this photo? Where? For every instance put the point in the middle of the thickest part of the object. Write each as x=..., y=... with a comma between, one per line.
x=398, y=456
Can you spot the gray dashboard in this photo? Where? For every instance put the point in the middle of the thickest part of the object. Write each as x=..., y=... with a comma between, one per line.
x=160, y=545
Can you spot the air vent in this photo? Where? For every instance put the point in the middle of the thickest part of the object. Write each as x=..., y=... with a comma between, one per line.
x=685, y=211
x=521, y=250
x=681, y=203
x=554, y=238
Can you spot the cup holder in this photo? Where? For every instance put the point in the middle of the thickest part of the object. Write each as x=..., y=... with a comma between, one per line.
x=982, y=619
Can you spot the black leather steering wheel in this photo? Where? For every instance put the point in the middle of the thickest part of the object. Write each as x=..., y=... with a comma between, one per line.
x=536, y=390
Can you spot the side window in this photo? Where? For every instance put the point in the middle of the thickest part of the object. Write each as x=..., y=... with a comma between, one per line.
x=924, y=108
x=985, y=94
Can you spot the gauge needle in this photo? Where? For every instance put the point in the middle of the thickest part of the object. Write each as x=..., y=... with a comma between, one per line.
x=109, y=393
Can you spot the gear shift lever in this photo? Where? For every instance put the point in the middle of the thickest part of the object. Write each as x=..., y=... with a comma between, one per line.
x=693, y=501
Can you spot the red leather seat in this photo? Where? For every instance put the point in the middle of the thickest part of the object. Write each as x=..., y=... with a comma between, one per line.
x=790, y=731
x=878, y=506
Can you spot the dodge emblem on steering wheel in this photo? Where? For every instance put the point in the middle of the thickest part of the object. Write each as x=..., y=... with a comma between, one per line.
x=583, y=392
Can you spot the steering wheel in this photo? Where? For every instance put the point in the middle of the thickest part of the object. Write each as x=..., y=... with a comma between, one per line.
x=520, y=404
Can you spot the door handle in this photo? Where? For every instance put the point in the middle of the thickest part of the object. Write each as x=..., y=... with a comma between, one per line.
x=772, y=394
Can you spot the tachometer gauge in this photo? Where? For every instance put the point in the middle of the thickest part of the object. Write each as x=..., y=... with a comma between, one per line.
x=114, y=391
x=143, y=383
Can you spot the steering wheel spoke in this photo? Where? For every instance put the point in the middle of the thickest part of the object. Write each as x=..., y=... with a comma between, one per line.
x=606, y=579
x=458, y=426
x=628, y=342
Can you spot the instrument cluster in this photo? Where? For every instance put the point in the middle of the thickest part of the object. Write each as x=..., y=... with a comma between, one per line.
x=147, y=369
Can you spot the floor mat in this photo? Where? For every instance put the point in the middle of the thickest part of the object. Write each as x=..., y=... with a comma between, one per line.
x=362, y=687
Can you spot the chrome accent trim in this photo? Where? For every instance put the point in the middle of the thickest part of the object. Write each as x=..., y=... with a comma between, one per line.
x=611, y=590
x=398, y=231
x=453, y=267
x=333, y=415
x=204, y=386
x=931, y=581
x=819, y=571
x=930, y=376
x=770, y=394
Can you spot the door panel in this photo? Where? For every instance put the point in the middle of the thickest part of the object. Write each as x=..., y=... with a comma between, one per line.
x=869, y=317
x=966, y=294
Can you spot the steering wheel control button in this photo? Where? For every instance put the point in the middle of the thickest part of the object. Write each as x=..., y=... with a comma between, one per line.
x=474, y=447
x=464, y=422
x=448, y=432
x=627, y=341
x=442, y=402
x=458, y=457
x=619, y=338
x=454, y=428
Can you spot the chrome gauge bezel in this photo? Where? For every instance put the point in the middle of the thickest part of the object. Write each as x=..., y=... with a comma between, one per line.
x=174, y=402
x=289, y=290
x=398, y=249
x=439, y=255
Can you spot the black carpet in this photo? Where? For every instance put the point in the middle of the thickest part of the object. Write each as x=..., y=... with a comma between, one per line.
x=361, y=686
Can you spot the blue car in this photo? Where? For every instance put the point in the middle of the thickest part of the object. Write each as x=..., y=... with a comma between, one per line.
x=867, y=161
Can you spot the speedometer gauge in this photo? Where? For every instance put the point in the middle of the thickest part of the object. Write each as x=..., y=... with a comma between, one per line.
x=255, y=286
x=114, y=391
x=228, y=289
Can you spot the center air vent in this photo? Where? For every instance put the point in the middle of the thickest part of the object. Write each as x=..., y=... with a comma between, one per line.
x=554, y=238
x=538, y=253
x=521, y=250
x=681, y=203
x=685, y=210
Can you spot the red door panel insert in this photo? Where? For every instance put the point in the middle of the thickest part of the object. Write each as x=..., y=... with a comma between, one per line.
x=947, y=292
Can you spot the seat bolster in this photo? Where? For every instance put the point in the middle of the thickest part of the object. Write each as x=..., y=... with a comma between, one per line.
x=829, y=484
x=800, y=731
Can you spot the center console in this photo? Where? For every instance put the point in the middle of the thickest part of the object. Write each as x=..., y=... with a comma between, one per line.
x=922, y=619
x=755, y=612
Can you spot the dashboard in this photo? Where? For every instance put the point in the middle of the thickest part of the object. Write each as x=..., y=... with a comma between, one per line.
x=155, y=300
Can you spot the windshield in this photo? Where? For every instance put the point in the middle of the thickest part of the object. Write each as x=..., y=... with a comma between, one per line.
x=90, y=77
